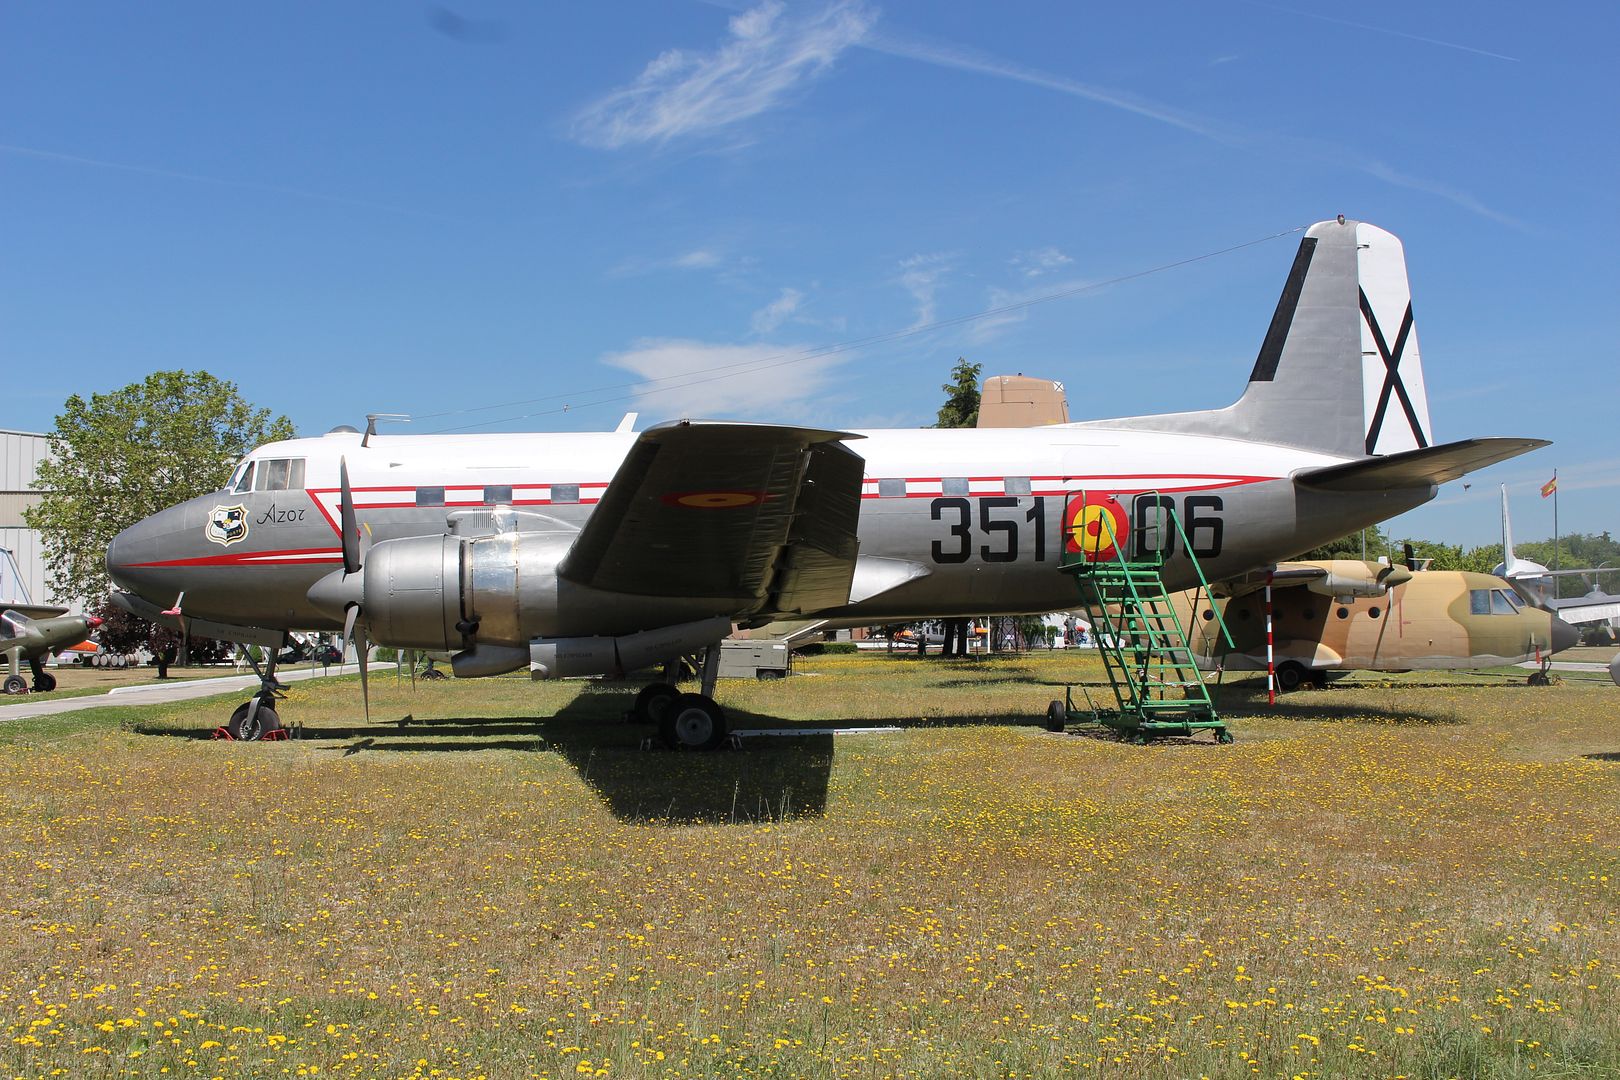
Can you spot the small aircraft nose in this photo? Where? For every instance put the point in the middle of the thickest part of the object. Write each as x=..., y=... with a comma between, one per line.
x=1563, y=635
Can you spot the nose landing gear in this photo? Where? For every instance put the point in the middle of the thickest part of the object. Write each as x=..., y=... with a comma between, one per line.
x=256, y=719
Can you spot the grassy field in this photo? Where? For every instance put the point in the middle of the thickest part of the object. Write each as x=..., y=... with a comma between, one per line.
x=1409, y=877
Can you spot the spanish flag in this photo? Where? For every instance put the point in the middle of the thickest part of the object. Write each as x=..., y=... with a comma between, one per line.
x=1550, y=486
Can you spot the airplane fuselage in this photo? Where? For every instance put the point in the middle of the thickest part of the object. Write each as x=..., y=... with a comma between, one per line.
x=952, y=522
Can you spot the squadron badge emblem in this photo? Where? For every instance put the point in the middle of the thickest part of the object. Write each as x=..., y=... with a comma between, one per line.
x=227, y=524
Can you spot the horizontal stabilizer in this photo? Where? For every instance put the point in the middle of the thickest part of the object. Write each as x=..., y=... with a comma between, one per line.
x=1416, y=468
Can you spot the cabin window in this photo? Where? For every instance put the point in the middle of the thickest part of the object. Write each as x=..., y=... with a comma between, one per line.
x=245, y=482
x=430, y=496
x=953, y=485
x=1502, y=604
x=498, y=494
x=1015, y=485
x=273, y=477
x=1372, y=612
x=276, y=474
x=891, y=489
x=565, y=493
x=1479, y=601
x=1344, y=613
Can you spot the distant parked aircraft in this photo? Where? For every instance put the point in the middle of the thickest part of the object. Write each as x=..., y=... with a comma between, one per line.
x=1346, y=615
x=1535, y=583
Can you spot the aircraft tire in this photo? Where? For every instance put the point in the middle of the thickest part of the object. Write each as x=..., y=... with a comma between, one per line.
x=652, y=702
x=265, y=721
x=1290, y=674
x=45, y=683
x=1057, y=717
x=14, y=684
x=692, y=722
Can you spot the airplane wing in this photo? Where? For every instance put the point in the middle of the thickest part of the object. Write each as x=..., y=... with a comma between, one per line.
x=35, y=611
x=1330, y=577
x=759, y=514
x=1282, y=576
x=1593, y=607
x=1416, y=468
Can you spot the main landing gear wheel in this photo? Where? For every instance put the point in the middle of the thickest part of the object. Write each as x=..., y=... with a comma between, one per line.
x=14, y=684
x=262, y=726
x=653, y=702
x=1057, y=717
x=1290, y=675
x=44, y=683
x=692, y=722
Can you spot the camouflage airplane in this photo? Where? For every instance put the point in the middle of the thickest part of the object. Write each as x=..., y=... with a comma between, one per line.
x=606, y=552
x=28, y=639
x=1347, y=615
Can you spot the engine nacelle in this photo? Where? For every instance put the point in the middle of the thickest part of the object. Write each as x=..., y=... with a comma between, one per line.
x=565, y=658
x=1347, y=577
x=436, y=592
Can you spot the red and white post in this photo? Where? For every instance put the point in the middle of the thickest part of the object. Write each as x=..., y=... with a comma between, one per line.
x=1271, y=658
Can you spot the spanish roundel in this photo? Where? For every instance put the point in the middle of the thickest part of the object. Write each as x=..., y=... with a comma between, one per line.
x=1093, y=526
x=714, y=500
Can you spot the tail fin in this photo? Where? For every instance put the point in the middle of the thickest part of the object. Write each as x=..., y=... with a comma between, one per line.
x=1508, y=558
x=1339, y=370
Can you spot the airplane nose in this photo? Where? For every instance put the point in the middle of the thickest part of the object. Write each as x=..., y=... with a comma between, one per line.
x=1563, y=635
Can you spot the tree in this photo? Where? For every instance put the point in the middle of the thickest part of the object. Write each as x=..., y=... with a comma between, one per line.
x=124, y=455
x=961, y=408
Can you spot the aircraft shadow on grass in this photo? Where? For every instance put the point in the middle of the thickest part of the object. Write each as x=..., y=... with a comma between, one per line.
x=768, y=779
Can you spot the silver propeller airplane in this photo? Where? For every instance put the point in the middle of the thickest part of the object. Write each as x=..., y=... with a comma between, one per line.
x=600, y=553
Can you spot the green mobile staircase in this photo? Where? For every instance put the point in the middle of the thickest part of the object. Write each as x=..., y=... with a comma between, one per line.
x=1158, y=687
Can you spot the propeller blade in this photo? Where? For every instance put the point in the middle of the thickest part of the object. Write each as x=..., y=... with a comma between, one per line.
x=413, y=669
x=350, y=614
x=365, y=689
x=347, y=521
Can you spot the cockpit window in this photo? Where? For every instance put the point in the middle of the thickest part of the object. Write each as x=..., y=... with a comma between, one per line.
x=245, y=481
x=236, y=476
x=1502, y=603
x=276, y=474
x=1479, y=601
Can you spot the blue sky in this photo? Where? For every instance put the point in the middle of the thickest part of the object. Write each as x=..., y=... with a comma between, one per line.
x=520, y=216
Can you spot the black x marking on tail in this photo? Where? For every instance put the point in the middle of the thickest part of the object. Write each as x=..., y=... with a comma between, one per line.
x=1392, y=374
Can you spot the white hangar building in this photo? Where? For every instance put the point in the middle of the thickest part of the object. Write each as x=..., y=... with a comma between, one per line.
x=20, y=455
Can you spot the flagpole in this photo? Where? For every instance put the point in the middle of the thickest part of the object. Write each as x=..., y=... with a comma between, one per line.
x=1555, y=524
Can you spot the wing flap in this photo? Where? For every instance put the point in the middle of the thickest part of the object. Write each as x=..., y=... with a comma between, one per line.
x=1416, y=468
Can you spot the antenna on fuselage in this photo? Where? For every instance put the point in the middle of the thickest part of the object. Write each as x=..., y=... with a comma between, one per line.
x=371, y=423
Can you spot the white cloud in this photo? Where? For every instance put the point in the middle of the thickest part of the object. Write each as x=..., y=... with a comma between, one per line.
x=777, y=312
x=1040, y=261
x=1008, y=307
x=767, y=54
x=705, y=379
x=920, y=275
x=702, y=259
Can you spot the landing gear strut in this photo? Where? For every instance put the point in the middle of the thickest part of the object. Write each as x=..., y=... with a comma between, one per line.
x=256, y=718
x=44, y=681
x=685, y=721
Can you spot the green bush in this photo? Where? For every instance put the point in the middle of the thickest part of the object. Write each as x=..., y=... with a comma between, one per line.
x=829, y=648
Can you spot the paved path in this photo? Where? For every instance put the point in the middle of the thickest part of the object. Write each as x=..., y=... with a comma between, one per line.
x=154, y=693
